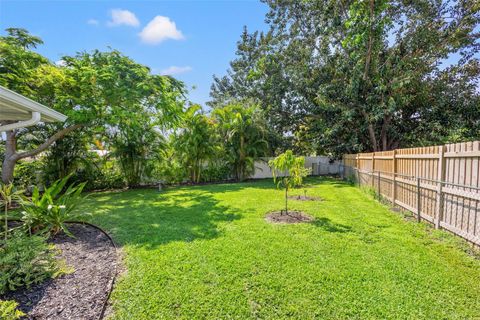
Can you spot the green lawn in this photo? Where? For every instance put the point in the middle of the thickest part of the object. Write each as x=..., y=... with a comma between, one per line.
x=206, y=252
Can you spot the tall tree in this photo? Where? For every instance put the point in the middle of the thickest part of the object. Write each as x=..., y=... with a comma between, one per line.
x=133, y=106
x=32, y=75
x=105, y=92
x=364, y=75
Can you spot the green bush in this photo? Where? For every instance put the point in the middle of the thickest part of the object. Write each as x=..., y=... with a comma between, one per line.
x=98, y=172
x=8, y=310
x=108, y=176
x=25, y=175
x=49, y=212
x=215, y=173
x=171, y=172
x=26, y=260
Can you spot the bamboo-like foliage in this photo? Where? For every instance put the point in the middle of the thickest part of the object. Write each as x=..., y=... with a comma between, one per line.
x=196, y=142
x=243, y=130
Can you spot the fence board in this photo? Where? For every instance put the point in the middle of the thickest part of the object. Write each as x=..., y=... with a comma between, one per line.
x=448, y=194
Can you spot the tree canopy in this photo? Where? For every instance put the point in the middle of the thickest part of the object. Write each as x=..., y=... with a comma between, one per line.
x=351, y=76
x=106, y=93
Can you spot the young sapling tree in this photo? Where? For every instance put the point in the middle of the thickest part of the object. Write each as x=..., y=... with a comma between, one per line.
x=293, y=169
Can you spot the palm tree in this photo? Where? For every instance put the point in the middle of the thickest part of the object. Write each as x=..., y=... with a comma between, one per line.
x=243, y=129
x=195, y=142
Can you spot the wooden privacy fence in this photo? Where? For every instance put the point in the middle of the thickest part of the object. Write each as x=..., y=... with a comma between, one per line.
x=440, y=184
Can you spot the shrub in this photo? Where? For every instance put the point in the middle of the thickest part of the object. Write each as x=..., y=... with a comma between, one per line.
x=108, y=176
x=26, y=260
x=8, y=310
x=171, y=171
x=52, y=209
x=26, y=173
x=215, y=172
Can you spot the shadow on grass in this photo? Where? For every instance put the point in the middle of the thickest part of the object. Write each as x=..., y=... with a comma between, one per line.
x=149, y=218
x=327, y=225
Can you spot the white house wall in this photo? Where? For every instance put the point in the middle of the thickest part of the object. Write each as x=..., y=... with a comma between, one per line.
x=319, y=166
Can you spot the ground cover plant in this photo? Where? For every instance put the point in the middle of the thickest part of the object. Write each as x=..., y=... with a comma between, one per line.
x=206, y=252
x=8, y=310
x=26, y=260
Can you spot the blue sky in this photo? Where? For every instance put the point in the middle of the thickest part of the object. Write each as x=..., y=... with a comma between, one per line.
x=192, y=40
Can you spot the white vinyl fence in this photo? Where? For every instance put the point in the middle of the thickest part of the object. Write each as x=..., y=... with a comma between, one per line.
x=320, y=166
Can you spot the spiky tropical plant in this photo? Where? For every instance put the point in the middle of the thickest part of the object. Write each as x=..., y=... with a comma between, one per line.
x=49, y=212
x=8, y=194
x=293, y=171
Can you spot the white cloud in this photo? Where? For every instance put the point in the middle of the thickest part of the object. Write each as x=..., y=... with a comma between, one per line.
x=160, y=29
x=123, y=17
x=60, y=63
x=92, y=22
x=172, y=70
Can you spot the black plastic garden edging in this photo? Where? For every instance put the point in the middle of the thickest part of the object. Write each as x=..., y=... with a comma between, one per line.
x=104, y=307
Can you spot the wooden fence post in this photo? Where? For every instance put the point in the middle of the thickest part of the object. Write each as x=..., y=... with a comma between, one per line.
x=379, y=189
x=394, y=178
x=441, y=179
x=419, y=201
x=357, y=165
x=372, y=175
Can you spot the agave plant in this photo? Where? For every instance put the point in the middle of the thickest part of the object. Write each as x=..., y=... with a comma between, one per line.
x=8, y=194
x=50, y=211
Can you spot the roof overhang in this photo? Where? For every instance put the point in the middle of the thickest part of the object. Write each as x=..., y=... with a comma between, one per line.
x=15, y=107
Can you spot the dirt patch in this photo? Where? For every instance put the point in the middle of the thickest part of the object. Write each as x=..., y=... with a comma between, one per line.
x=290, y=217
x=304, y=198
x=81, y=294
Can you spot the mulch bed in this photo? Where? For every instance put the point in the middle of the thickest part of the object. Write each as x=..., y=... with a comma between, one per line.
x=304, y=198
x=81, y=294
x=290, y=217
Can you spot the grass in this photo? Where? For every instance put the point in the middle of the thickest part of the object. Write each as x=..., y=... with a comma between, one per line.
x=206, y=252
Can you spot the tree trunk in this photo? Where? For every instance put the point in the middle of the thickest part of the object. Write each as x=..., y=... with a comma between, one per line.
x=8, y=167
x=286, y=200
x=383, y=133
x=371, y=130
x=12, y=156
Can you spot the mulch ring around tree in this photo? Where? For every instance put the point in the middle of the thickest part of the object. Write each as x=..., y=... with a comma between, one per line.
x=304, y=198
x=81, y=294
x=290, y=217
